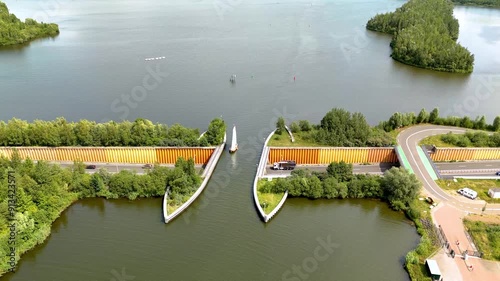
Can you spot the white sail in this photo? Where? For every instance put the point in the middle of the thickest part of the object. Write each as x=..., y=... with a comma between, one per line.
x=234, y=141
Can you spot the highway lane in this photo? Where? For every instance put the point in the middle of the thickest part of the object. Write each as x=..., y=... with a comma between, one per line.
x=357, y=169
x=451, y=170
x=475, y=165
x=117, y=167
x=409, y=139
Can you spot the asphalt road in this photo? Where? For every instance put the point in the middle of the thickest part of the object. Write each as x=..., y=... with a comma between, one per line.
x=487, y=168
x=409, y=139
x=115, y=168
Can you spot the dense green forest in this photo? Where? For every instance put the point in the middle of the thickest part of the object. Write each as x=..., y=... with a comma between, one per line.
x=42, y=191
x=485, y=3
x=339, y=128
x=399, y=120
x=398, y=187
x=424, y=35
x=141, y=132
x=13, y=31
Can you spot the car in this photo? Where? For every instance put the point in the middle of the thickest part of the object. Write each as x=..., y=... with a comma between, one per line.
x=498, y=173
x=90, y=167
x=467, y=192
x=147, y=166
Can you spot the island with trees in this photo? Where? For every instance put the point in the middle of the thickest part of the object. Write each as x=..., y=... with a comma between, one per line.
x=13, y=31
x=425, y=34
x=34, y=194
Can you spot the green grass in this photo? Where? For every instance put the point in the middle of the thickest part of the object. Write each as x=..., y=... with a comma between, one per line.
x=174, y=205
x=480, y=186
x=301, y=140
x=268, y=201
x=415, y=259
x=436, y=140
x=486, y=238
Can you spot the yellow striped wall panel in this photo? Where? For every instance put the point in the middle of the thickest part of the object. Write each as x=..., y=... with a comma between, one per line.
x=487, y=154
x=137, y=155
x=448, y=154
x=170, y=155
x=348, y=155
x=300, y=155
x=5, y=152
x=327, y=155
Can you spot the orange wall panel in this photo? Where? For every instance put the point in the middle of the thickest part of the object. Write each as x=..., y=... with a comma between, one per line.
x=382, y=155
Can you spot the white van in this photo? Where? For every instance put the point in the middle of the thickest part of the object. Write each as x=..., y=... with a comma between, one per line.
x=467, y=192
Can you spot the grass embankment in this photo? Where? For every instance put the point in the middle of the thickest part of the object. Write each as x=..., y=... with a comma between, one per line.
x=480, y=186
x=486, y=237
x=268, y=201
x=174, y=205
x=472, y=138
x=301, y=140
x=437, y=141
x=429, y=243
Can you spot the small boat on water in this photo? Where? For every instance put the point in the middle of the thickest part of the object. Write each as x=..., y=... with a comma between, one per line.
x=234, y=142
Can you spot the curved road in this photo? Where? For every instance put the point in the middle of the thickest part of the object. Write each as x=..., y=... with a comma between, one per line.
x=408, y=140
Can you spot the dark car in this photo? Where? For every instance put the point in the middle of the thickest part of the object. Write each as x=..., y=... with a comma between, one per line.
x=498, y=173
x=147, y=166
x=90, y=167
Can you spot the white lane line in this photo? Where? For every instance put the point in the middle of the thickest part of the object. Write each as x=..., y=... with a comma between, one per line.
x=488, y=165
x=462, y=166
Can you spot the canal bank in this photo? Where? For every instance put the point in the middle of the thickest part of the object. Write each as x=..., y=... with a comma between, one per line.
x=207, y=173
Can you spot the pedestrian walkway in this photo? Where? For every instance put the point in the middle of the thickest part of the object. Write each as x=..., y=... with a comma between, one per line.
x=427, y=164
x=403, y=160
x=450, y=219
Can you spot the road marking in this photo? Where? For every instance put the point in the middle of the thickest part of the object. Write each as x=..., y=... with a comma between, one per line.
x=462, y=166
x=488, y=165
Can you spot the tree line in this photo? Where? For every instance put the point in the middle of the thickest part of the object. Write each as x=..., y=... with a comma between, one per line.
x=141, y=132
x=485, y=3
x=339, y=127
x=424, y=35
x=13, y=31
x=475, y=139
x=398, y=187
x=399, y=120
x=43, y=191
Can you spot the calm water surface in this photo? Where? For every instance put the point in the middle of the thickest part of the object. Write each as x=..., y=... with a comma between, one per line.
x=91, y=69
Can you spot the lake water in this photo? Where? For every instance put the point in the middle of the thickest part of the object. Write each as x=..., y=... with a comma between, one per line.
x=96, y=69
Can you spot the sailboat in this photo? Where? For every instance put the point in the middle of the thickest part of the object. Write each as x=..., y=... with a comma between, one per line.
x=234, y=142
